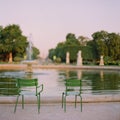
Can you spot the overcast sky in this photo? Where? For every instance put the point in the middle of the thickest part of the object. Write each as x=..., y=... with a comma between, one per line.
x=49, y=21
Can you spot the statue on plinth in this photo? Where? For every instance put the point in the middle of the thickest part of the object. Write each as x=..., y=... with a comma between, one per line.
x=101, y=60
x=67, y=58
x=79, y=58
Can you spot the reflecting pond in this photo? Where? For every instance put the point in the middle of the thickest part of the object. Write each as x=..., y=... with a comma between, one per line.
x=93, y=81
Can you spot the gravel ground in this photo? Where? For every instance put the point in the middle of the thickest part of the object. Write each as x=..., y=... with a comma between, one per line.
x=91, y=111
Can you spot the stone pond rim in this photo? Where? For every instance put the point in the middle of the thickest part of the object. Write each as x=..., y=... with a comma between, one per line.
x=56, y=66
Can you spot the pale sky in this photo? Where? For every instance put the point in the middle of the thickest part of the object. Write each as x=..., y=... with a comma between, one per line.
x=49, y=21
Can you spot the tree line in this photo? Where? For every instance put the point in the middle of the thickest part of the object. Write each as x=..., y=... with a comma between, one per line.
x=13, y=44
x=101, y=43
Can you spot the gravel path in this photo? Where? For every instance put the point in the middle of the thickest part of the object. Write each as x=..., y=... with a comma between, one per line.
x=91, y=111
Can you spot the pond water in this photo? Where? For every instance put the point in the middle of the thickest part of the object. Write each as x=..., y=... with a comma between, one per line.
x=93, y=81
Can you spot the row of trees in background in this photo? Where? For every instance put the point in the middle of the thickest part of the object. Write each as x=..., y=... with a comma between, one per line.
x=13, y=44
x=13, y=47
x=102, y=43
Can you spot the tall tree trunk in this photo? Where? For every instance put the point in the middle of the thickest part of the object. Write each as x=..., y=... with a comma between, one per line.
x=10, y=57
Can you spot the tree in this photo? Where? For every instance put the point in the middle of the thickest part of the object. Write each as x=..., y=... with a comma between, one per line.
x=114, y=46
x=100, y=39
x=107, y=44
x=71, y=39
x=83, y=40
x=103, y=43
x=51, y=53
x=12, y=41
x=36, y=52
x=70, y=45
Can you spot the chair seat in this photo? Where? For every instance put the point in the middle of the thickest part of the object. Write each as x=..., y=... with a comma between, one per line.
x=27, y=93
x=73, y=93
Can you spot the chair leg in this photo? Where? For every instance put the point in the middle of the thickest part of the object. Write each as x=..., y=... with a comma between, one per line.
x=39, y=104
x=22, y=101
x=81, y=102
x=65, y=103
x=62, y=99
x=16, y=103
x=75, y=100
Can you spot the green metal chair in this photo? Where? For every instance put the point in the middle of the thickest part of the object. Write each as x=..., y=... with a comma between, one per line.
x=28, y=87
x=8, y=87
x=73, y=88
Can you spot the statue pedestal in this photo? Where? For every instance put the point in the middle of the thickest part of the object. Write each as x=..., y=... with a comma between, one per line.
x=29, y=68
x=79, y=61
x=101, y=61
x=29, y=64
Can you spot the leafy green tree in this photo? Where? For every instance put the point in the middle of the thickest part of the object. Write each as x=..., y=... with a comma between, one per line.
x=114, y=46
x=103, y=43
x=36, y=52
x=70, y=45
x=83, y=40
x=51, y=53
x=71, y=39
x=12, y=41
x=100, y=39
x=107, y=44
x=88, y=53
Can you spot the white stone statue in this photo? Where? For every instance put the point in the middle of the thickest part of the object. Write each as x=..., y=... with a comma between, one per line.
x=67, y=58
x=79, y=58
x=101, y=60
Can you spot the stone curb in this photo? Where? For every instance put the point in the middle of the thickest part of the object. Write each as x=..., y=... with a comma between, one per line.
x=62, y=66
x=54, y=100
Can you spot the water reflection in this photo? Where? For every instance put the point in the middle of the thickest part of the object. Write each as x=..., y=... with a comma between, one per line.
x=97, y=82
x=79, y=74
x=102, y=82
x=93, y=82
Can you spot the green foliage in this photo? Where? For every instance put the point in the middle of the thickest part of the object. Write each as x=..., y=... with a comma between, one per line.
x=36, y=52
x=107, y=44
x=100, y=40
x=18, y=59
x=71, y=39
x=12, y=41
x=109, y=61
x=71, y=45
x=88, y=53
x=114, y=46
x=72, y=49
x=51, y=53
x=103, y=43
x=58, y=60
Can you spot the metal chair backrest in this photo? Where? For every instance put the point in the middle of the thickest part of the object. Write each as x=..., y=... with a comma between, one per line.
x=8, y=87
x=28, y=84
x=73, y=86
